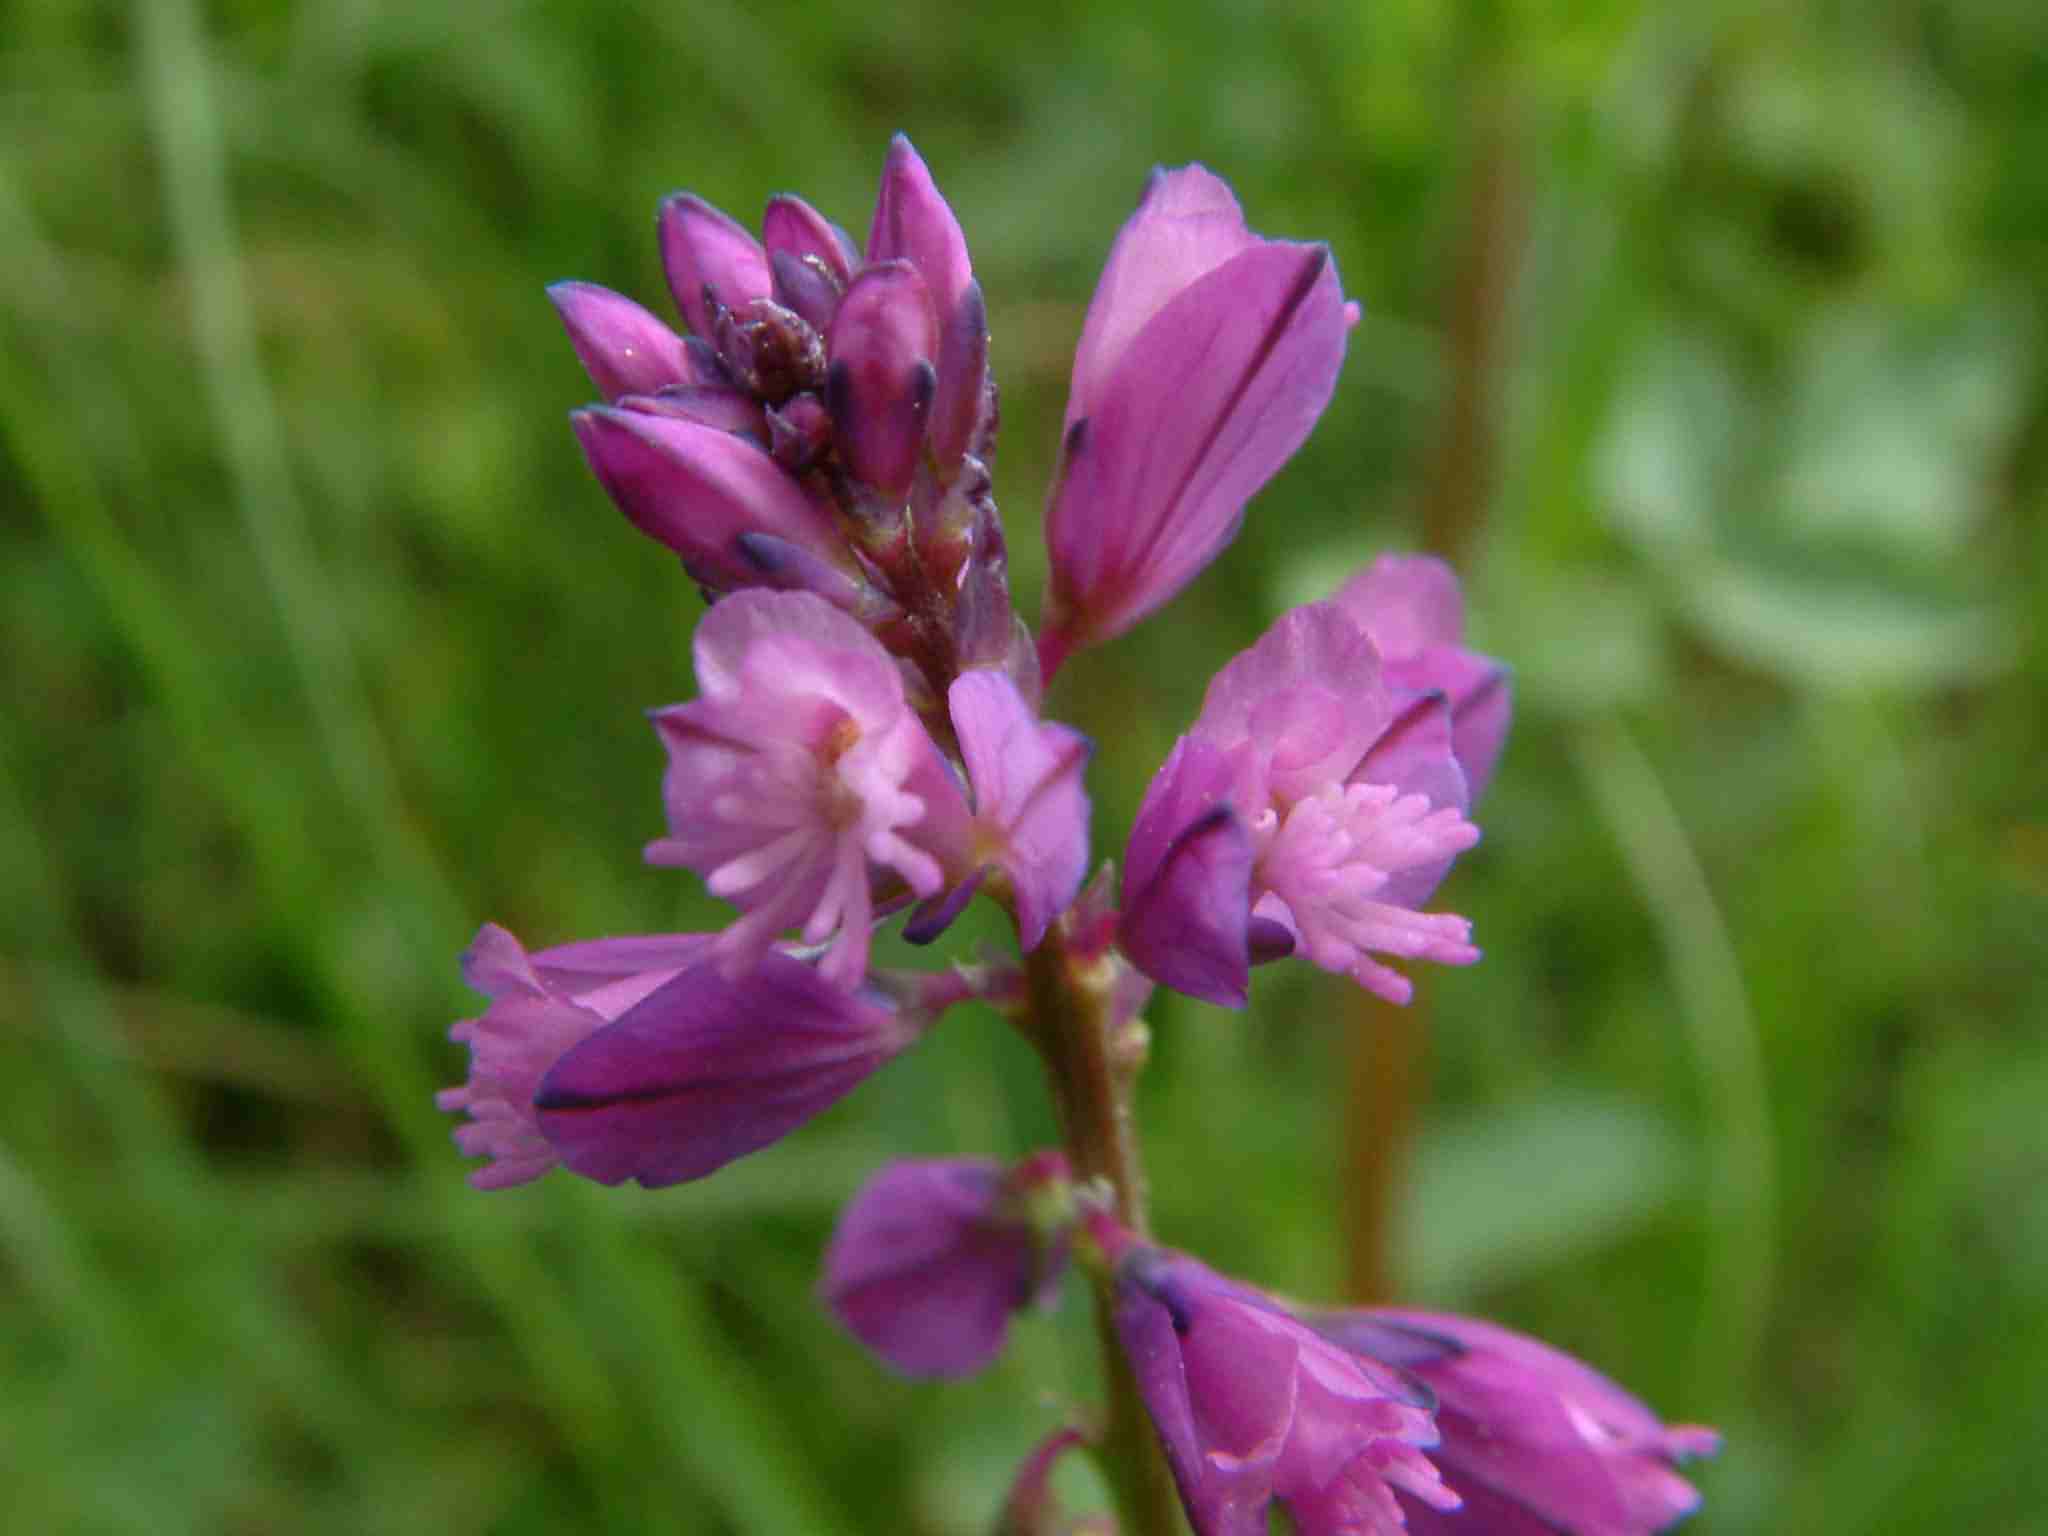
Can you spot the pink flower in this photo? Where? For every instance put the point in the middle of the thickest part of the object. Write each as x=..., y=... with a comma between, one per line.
x=1534, y=1441
x=542, y=1006
x=1255, y=1408
x=1207, y=355
x=1307, y=810
x=800, y=780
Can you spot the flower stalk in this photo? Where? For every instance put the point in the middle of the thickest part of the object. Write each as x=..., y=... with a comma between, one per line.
x=1092, y=1058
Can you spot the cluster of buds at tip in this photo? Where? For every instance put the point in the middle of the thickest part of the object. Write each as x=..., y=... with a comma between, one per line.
x=826, y=426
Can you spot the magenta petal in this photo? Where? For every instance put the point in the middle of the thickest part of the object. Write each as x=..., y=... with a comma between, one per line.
x=1481, y=703
x=591, y=963
x=879, y=385
x=792, y=227
x=708, y=1069
x=1412, y=607
x=697, y=489
x=914, y=224
x=624, y=349
x=1307, y=696
x=1025, y=775
x=927, y=1266
x=1186, y=225
x=1187, y=880
x=703, y=248
x=1406, y=603
x=1203, y=407
x=541, y=1007
x=1416, y=756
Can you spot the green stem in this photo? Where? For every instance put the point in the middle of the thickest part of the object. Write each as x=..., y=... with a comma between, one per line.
x=1093, y=1063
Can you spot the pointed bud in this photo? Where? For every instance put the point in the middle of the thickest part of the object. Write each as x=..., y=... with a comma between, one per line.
x=913, y=223
x=697, y=489
x=792, y=227
x=624, y=349
x=702, y=248
x=879, y=386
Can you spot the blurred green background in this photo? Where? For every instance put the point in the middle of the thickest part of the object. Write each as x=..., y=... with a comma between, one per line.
x=1710, y=337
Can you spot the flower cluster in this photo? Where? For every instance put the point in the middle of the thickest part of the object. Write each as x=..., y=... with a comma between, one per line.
x=866, y=742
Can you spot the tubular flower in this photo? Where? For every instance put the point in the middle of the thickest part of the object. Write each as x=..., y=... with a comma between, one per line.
x=1534, y=1441
x=1413, y=609
x=932, y=1258
x=542, y=1006
x=827, y=401
x=1207, y=355
x=1253, y=1407
x=799, y=777
x=1307, y=810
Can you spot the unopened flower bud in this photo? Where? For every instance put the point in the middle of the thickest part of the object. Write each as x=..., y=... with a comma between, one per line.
x=792, y=227
x=624, y=349
x=711, y=260
x=879, y=387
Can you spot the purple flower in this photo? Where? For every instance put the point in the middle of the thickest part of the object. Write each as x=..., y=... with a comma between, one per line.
x=1307, y=810
x=708, y=1067
x=542, y=1006
x=932, y=1258
x=799, y=778
x=1254, y=1407
x=1207, y=355
x=1030, y=808
x=1534, y=1441
x=1413, y=609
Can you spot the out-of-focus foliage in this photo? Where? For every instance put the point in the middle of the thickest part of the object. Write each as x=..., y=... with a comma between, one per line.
x=322, y=646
